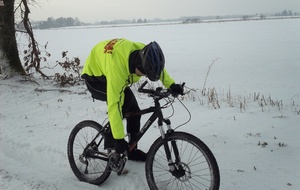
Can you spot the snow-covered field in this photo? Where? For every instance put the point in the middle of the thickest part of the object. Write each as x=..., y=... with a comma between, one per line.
x=257, y=147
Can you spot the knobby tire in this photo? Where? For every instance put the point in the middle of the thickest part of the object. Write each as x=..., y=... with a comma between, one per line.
x=90, y=170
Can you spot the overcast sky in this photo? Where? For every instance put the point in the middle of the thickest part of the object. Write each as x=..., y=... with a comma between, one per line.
x=108, y=10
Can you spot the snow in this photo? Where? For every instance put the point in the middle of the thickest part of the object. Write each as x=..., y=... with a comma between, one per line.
x=251, y=57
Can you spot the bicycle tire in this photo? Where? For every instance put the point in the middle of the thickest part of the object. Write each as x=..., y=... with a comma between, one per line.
x=94, y=171
x=200, y=166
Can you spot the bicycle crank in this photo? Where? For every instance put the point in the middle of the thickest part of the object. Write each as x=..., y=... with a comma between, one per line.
x=117, y=162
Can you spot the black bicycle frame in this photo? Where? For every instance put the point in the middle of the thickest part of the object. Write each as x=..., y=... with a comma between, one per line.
x=157, y=113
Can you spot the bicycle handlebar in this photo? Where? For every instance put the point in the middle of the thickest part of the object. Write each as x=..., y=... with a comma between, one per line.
x=160, y=92
x=143, y=90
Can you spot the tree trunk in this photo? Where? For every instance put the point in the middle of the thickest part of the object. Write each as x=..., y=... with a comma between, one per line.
x=8, y=43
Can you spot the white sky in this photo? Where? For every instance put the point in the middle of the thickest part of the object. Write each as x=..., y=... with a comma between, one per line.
x=108, y=10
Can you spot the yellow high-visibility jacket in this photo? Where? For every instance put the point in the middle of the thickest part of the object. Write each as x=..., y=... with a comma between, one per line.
x=110, y=58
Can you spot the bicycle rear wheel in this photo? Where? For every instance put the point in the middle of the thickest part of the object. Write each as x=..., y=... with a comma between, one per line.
x=196, y=167
x=85, y=150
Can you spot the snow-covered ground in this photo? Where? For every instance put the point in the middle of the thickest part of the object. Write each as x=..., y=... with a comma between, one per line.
x=257, y=147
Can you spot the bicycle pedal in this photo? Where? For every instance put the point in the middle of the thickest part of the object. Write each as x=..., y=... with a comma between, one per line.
x=117, y=162
x=122, y=170
x=125, y=171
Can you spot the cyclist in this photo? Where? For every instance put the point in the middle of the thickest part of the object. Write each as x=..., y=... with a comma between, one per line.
x=110, y=69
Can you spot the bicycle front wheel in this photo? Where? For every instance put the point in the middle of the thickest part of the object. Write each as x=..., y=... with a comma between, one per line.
x=86, y=153
x=193, y=165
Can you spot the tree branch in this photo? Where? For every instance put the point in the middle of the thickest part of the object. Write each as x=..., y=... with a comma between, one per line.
x=35, y=61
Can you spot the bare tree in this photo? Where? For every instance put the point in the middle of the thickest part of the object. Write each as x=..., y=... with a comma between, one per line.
x=10, y=61
x=8, y=43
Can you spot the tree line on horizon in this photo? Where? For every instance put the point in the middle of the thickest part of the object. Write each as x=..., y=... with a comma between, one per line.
x=69, y=21
x=56, y=23
x=65, y=22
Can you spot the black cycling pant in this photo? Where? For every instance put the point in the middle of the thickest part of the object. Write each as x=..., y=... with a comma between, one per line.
x=98, y=91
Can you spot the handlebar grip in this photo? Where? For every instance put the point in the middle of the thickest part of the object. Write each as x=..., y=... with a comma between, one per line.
x=140, y=89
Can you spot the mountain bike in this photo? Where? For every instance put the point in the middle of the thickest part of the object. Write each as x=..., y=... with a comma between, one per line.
x=175, y=160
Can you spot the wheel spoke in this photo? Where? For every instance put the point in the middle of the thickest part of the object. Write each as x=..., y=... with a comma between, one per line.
x=83, y=150
x=197, y=168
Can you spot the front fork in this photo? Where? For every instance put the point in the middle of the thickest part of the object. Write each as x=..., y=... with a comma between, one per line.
x=174, y=167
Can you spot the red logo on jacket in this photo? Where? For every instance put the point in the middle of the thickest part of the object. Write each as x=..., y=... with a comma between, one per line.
x=110, y=46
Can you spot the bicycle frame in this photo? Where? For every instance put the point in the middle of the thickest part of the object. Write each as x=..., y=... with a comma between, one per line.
x=156, y=113
x=175, y=168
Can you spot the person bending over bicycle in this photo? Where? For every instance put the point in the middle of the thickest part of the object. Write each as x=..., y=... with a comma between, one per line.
x=110, y=69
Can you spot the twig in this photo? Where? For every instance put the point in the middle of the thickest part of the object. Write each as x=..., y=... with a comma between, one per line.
x=53, y=89
x=209, y=71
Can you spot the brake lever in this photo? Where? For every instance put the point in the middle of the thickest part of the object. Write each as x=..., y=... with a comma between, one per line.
x=182, y=85
x=140, y=89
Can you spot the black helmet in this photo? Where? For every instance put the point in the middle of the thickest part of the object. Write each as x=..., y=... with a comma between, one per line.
x=153, y=61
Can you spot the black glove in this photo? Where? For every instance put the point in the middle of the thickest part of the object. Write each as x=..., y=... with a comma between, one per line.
x=176, y=89
x=121, y=146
